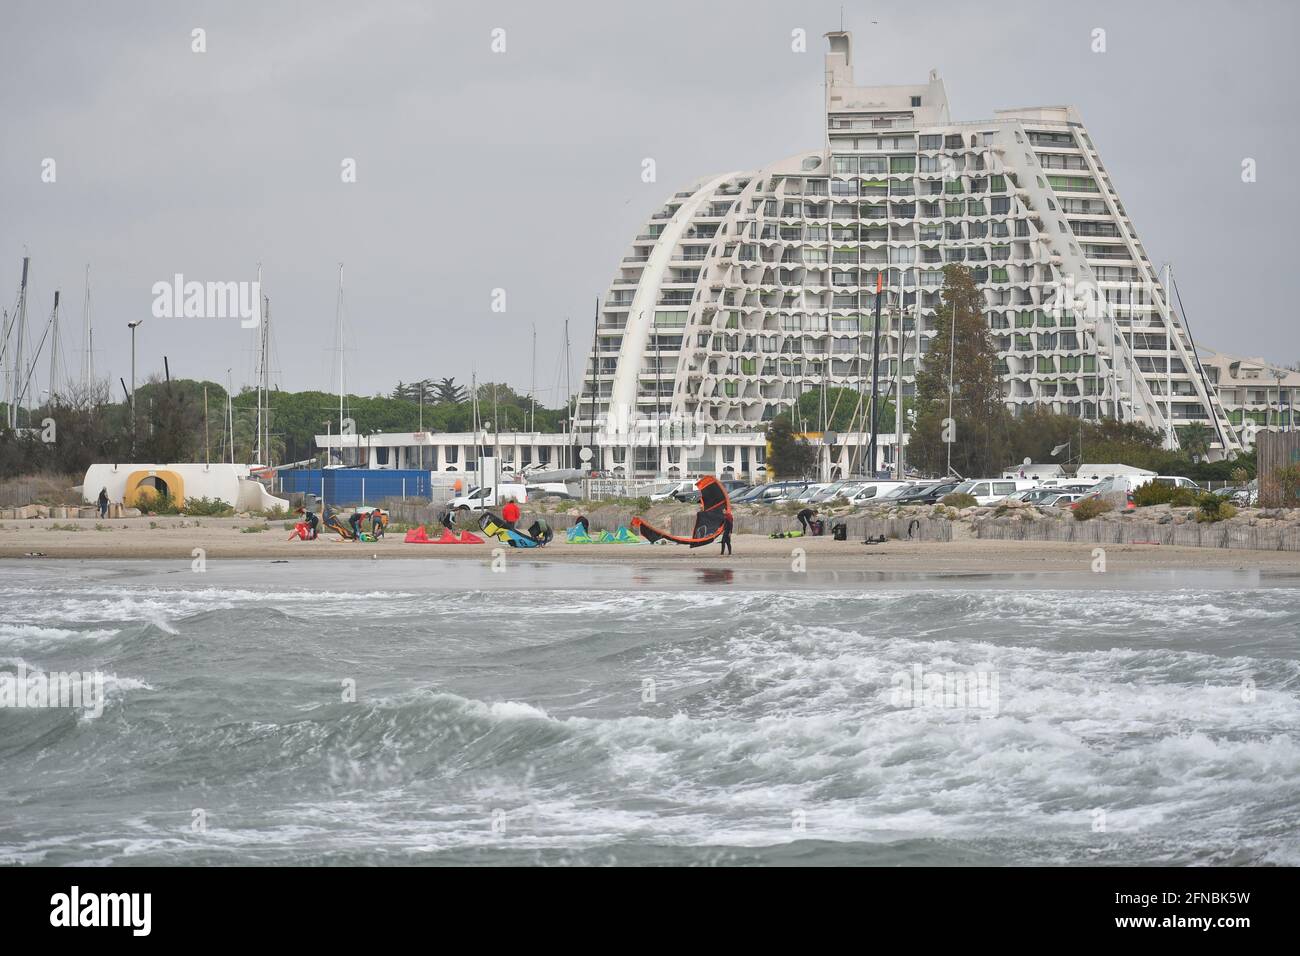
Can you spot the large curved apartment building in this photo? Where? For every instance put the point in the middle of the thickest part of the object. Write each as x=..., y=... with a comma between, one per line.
x=749, y=288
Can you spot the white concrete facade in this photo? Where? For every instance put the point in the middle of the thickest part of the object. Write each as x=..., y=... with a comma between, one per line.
x=748, y=289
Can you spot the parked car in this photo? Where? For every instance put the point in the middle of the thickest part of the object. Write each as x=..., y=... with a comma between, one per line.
x=929, y=494
x=986, y=491
x=811, y=491
x=734, y=486
x=480, y=499
x=1127, y=484
x=779, y=491
x=1035, y=496
x=1062, y=500
x=672, y=490
x=748, y=495
x=876, y=490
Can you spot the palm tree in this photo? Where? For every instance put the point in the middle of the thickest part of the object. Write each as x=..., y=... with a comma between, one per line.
x=1195, y=438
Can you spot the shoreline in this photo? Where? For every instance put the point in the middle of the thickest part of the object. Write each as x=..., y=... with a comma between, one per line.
x=224, y=538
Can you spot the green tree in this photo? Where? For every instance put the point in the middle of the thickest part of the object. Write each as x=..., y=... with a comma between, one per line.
x=846, y=410
x=790, y=457
x=978, y=431
x=1195, y=438
x=447, y=391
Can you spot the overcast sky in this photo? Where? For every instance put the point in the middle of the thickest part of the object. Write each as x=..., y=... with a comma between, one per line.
x=521, y=170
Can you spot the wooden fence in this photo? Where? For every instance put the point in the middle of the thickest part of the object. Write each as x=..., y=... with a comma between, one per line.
x=1138, y=531
x=1275, y=451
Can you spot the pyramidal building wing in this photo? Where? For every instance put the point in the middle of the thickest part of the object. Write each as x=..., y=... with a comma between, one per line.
x=747, y=289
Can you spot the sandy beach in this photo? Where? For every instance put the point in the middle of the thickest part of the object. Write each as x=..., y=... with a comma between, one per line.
x=176, y=538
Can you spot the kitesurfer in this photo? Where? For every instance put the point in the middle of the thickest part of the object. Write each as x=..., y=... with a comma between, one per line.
x=510, y=513
x=726, y=534
x=103, y=502
x=805, y=519
x=355, y=524
x=311, y=521
x=376, y=524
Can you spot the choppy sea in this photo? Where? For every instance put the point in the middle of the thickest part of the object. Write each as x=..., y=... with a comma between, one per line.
x=428, y=712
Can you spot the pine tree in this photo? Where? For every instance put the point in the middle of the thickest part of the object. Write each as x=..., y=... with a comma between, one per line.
x=978, y=430
x=447, y=391
x=790, y=457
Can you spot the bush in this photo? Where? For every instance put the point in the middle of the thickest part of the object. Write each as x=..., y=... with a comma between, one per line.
x=1287, y=481
x=1153, y=493
x=208, y=507
x=956, y=500
x=1215, y=508
x=1090, y=508
x=156, y=504
x=1184, y=498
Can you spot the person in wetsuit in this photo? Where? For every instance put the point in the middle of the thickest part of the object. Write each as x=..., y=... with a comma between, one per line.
x=805, y=519
x=726, y=534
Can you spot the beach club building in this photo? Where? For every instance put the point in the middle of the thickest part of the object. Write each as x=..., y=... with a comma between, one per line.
x=724, y=454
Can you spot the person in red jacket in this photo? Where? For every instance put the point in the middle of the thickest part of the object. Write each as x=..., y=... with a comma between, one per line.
x=510, y=513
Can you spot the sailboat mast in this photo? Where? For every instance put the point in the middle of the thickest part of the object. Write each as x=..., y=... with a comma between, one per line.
x=338, y=342
x=87, y=339
x=16, y=370
x=266, y=380
x=261, y=324
x=230, y=415
x=54, y=346
x=568, y=397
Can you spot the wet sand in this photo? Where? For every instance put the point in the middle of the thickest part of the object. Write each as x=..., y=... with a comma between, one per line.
x=176, y=539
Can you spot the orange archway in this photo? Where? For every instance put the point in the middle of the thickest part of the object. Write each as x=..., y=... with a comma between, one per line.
x=152, y=483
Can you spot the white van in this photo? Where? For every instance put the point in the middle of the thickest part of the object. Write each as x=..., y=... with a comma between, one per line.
x=1127, y=484
x=873, y=490
x=987, y=491
x=482, y=499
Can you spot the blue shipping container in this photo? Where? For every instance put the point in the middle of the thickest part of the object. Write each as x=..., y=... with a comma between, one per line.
x=355, y=486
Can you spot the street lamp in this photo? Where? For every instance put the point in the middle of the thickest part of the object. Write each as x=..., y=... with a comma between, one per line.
x=133, y=326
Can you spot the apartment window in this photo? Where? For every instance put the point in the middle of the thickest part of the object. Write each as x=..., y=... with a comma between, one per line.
x=902, y=164
x=952, y=209
x=997, y=184
x=916, y=101
x=931, y=142
x=845, y=165
x=873, y=164
x=670, y=320
x=1000, y=205
x=1000, y=275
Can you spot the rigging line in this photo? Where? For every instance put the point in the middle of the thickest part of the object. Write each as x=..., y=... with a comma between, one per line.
x=1201, y=368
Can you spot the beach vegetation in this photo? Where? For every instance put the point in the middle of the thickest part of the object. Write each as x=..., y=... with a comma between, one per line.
x=1212, y=508
x=208, y=508
x=959, y=500
x=1089, y=508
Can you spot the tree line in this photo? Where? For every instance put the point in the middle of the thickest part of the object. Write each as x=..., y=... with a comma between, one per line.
x=189, y=420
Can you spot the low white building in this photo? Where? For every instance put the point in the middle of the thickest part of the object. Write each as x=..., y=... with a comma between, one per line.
x=741, y=455
x=127, y=482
